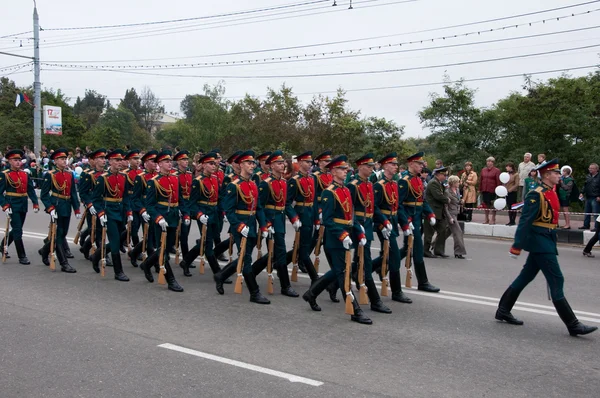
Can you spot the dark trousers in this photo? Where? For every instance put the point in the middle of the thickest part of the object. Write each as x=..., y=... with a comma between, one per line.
x=337, y=259
x=511, y=199
x=113, y=232
x=394, y=257
x=135, y=228
x=593, y=240
x=17, y=219
x=548, y=264
x=250, y=244
x=368, y=261
x=183, y=238
x=469, y=211
x=591, y=206
x=62, y=228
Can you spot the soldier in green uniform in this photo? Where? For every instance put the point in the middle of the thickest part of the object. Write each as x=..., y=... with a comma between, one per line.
x=367, y=214
x=262, y=170
x=273, y=199
x=412, y=206
x=340, y=227
x=222, y=246
x=134, y=160
x=220, y=174
x=185, y=183
x=243, y=210
x=87, y=181
x=110, y=201
x=59, y=196
x=15, y=187
x=536, y=233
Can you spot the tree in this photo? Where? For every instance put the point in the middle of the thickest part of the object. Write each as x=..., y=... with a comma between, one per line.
x=90, y=107
x=151, y=110
x=73, y=127
x=133, y=103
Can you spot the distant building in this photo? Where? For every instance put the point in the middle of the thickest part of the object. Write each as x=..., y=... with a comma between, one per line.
x=163, y=120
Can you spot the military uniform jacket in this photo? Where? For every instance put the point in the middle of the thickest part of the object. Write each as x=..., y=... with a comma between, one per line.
x=140, y=186
x=412, y=201
x=436, y=197
x=110, y=196
x=59, y=193
x=87, y=182
x=164, y=199
x=242, y=207
x=338, y=216
x=365, y=211
x=227, y=179
x=301, y=199
x=185, y=182
x=322, y=181
x=273, y=199
x=204, y=198
x=131, y=176
x=15, y=186
x=386, y=194
x=536, y=232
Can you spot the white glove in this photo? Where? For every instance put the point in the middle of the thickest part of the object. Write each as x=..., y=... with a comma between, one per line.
x=265, y=234
x=245, y=231
x=386, y=233
x=432, y=221
x=411, y=226
x=8, y=212
x=513, y=256
x=317, y=227
x=225, y=220
x=146, y=216
x=130, y=218
x=598, y=219
x=271, y=230
x=408, y=232
x=53, y=215
x=180, y=214
x=204, y=219
x=163, y=224
x=103, y=220
x=347, y=243
x=78, y=216
x=362, y=229
x=363, y=241
x=92, y=210
x=321, y=218
x=297, y=225
x=186, y=221
x=36, y=209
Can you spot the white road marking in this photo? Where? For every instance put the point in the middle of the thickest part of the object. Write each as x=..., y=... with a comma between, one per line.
x=232, y=362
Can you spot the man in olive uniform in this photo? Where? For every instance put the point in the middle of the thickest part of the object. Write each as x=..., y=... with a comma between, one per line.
x=536, y=234
x=87, y=182
x=436, y=198
x=412, y=207
x=185, y=183
x=273, y=199
x=243, y=210
x=15, y=187
x=164, y=201
x=109, y=198
x=338, y=220
x=59, y=196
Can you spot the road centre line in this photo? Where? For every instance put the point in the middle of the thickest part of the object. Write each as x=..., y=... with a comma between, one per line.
x=290, y=377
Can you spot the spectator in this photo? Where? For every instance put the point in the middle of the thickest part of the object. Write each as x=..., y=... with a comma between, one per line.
x=512, y=186
x=591, y=193
x=437, y=200
x=439, y=163
x=452, y=209
x=468, y=182
x=541, y=159
x=490, y=179
x=524, y=168
x=564, y=193
x=531, y=182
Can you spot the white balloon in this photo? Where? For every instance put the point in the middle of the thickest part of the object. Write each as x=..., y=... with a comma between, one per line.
x=499, y=203
x=504, y=177
x=78, y=170
x=501, y=191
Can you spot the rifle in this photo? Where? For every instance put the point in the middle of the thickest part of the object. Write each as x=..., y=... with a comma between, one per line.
x=103, y=252
x=52, y=240
x=80, y=226
x=145, y=238
x=5, y=248
x=240, y=264
x=407, y=264
x=202, y=244
x=93, y=236
x=161, y=260
x=384, y=278
x=318, y=247
x=295, y=257
x=230, y=247
x=347, y=286
x=362, y=292
x=128, y=238
x=177, y=242
x=271, y=245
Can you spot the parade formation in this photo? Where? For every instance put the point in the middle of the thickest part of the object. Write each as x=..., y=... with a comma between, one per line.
x=155, y=195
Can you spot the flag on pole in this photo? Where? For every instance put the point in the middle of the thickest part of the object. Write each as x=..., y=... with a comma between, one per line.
x=517, y=206
x=22, y=97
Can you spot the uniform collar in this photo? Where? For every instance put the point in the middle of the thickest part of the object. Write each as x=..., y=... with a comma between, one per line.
x=362, y=179
x=337, y=184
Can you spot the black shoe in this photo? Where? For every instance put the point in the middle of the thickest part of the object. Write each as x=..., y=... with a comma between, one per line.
x=333, y=295
x=584, y=227
x=288, y=291
x=380, y=307
x=24, y=261
x=258, y=298
x=311, y=301
x=174, y=286
x=192, y=265
x=222, y=257
x=507, y=317
x=123, y=249
x=574, y=327
x=441, y=255
x=219, y=284
x=44, y=258
x=401, y=298
x=186, y=268
x=588, y=254
x=429, y=255
x=68, y=253
x=459, y=256
x=132, y=259
x=147, y=273
x=172, y=251
x=507, y=301
x=68, y=269
x=360, y=317
x=7, y=255
x=227, y=281
x=121, y=277
x=428, y=287
x=96, y=267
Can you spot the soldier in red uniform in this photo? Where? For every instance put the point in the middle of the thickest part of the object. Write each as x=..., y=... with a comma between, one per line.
x=134, y=160
x=185, y=182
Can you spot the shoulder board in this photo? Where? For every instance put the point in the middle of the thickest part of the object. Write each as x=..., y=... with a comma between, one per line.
x=296, y=177
x=199, y=178
x=539, y=189
x=51, y=171
x=236, y=182
x=103, y=174
x=268, y=179
x=354, y=182
x=331, y=187
x=122, y=172
x=155, y=177
x=6, y=171
x=381, y=182
x=316, y=173
x=406, y=177
x=127, y=170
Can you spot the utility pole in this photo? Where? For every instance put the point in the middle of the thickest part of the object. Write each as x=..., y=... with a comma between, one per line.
x=37, y=85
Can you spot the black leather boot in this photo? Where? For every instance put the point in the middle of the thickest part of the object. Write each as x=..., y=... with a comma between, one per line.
x=21, y=252
x=568, y=317
x=359, y=316
x=220, y=249
x=68, y=253
x=64, y=262
x=85, y=248
x=171, y=282
x=222, y=275
x=284, y=280
x=396, y=285
x=96, y=258
x=376, y=303
x=118, y=268
x=45, y=252
x=332, y=290
x=147, y=264
x=255, y=295
x=188, y=259
x=134, y=253
x=310, y=296
x=507, y=301
x=376, y=264
x=84, y=235
x=423, y=281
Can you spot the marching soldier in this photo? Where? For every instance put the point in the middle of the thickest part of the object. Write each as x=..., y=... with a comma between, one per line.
x=164, y=201
x=220, y=174
x=133, y=157
x=227, y=179
x=59, y=195
x=411, y=209
x=262, y=171
x=367, y=214
x=110, y=202
x=87, y=182
x=536, y=233
x=15, y=187
x=242, y=207
x=273, y=199
x=185, y=182
x=338, y=220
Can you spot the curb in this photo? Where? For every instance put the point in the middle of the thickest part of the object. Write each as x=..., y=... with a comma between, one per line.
x=576, y=237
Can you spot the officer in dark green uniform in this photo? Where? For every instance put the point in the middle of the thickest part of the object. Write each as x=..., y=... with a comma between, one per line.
x=536, y=234
x=59, y=196
x=367, y=214
x=222, y=246
x=15, y=187
x=243, y=210
x=339, y=223
x=87, y=181
x=262, y=170
x=134, y=160
x=110, y=200
x=185, y=183
x=273, y=199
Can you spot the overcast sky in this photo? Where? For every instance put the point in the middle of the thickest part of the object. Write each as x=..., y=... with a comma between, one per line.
x=311, y=26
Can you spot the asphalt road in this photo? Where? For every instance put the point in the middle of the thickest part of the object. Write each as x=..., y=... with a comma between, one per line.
x=82, y=335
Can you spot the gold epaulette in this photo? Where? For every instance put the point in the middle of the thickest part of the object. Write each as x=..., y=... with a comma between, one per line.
x=539, y=189
x=268, y=179
x=406, y=177
x=330, y=188
x=155, y=177
x=104, y=174
x=354, y=182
